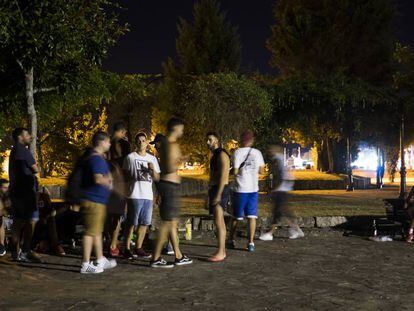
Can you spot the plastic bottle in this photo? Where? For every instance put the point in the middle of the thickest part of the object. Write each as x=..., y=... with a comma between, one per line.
x=188, y=230
x=374, y=228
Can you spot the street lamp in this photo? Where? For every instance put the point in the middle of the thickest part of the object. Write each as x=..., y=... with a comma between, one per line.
x=350, y=186
x=403, y=172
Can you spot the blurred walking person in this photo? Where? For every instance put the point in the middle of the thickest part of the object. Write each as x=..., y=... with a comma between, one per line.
x=119, y=150
x=282, y=182
x=169, y=190
x=96, y=187
x=5, y=205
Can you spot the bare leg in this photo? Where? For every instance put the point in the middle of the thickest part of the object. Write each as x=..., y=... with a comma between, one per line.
x=87, y=242
x=292, y=224
x=51, y=227
x=28, y=235
x=272, y=229
x=252, y=229
x=233, y=229
x=142, y=230
x=2, y=231
x=128, y=237
x=115, y=229
x=97, y=243
x=163, y=232
x=17, y=229
x=221, y=232
x=174, y=239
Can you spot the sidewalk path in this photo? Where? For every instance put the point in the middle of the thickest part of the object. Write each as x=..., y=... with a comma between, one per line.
x=324, y=271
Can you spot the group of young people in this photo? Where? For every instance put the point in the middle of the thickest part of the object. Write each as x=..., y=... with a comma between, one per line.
x=117, y=185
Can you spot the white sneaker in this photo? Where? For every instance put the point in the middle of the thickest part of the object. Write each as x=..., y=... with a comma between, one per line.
x=301, y=234
x=106, y=263
x=266, y=236
x=90, y=268
x=295, y=233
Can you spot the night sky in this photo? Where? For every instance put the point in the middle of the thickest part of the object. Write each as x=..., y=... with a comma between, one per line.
x=153, y=26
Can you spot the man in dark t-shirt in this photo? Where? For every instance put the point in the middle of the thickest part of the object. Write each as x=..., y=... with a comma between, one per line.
x=23, y=195
x=219, y=192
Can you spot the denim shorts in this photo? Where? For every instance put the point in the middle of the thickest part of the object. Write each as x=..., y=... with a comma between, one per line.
x=224, y=200
x=139, y=212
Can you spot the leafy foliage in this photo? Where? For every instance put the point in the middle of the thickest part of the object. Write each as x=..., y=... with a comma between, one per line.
x=219, y=102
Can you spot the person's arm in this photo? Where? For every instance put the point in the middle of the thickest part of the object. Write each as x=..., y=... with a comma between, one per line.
x=262, y=170
x=103, y=180
x=224, y=166
x=236, y=164
x=154, y=170
x=35, y=168
x=100, y=171
x=126, y=168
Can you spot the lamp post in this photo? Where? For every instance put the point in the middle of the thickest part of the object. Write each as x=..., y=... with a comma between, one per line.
x=403, y=184
x=350, y=186
x=403, y=171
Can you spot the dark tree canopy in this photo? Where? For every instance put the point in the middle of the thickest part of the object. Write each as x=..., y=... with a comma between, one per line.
x=208, y=44
x=324, y=37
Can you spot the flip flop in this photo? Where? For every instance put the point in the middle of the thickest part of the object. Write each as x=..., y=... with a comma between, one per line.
x=215, y=259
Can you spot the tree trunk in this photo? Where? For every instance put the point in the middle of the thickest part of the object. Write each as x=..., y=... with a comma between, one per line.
x=329, y=149
x=31, y=110
x=41, y=163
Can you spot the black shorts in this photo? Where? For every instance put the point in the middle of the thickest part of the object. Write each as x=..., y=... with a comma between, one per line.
x=225, y=197
x=280, y=208
x=25, y=207
x=170, y=200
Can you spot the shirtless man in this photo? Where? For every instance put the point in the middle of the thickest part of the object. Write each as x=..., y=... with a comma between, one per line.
x=218, y=192
x=169, y=190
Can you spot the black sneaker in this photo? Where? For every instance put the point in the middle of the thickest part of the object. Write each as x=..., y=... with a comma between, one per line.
x=183, y=261
x=161, y=263
x=32, y=257
x=2, y=250
x=128, y=254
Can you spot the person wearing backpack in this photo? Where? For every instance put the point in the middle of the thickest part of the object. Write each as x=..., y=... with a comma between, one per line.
x=248, y=163
x=96, y=185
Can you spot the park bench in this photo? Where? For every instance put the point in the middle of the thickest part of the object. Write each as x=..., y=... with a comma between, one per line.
x=397, y=215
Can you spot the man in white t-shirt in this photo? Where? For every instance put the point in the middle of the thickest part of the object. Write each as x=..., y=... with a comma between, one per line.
x=248, y=163
x=141, y=169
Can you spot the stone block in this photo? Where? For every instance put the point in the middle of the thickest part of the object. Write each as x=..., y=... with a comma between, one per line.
x=323, y=222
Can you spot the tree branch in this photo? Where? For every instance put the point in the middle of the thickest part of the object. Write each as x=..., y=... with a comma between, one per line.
x=44, y=89
x=20, y=64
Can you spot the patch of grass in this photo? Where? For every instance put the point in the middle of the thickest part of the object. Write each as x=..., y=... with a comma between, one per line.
x=313, y=203
x=53, y=181
x=314, y=175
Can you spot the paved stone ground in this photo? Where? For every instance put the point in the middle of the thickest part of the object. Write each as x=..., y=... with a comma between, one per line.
x=324, y=271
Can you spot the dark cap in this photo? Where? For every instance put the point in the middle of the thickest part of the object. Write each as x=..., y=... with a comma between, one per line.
x=158, y=138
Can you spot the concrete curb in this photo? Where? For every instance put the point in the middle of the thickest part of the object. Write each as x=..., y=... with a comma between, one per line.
x=206, y=223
